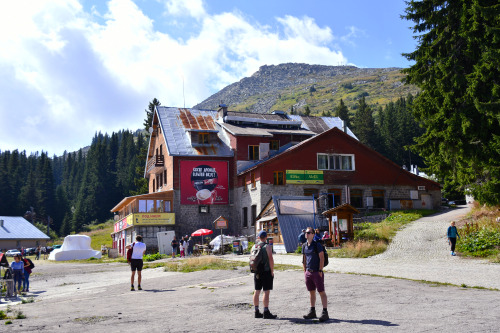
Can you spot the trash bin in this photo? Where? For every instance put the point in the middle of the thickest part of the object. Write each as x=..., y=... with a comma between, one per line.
x=236, y=246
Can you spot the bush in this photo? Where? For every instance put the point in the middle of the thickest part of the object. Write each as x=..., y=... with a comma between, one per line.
x=154, y=256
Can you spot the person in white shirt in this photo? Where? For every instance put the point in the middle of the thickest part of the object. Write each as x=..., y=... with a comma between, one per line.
x=136, y=263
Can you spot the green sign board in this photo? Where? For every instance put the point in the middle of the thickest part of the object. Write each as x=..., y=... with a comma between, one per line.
x=314, y=177
x=295, y=177
x=304, y=177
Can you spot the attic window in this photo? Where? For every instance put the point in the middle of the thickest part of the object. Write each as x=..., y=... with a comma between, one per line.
x=203, y=138
x=274, y=145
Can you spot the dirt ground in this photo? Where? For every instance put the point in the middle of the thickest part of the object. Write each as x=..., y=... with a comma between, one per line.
x=73, y=297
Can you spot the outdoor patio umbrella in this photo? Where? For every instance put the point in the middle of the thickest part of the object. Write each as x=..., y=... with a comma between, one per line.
x=202, y=232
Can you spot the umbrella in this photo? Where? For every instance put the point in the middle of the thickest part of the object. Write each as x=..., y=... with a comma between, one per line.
x=202, y=232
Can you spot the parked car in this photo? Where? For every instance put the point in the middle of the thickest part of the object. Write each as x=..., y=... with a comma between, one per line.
x=12, y=253
x=29, y=251
x=58, y=246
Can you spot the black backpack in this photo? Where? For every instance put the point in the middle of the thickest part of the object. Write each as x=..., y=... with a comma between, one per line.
x=256, y=261
x=325, y=263
x=31, y=264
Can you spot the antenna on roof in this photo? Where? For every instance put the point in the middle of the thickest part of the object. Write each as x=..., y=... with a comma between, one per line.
x=183, y=96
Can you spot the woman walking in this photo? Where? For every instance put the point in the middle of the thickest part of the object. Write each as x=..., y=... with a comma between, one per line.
x=452, y=237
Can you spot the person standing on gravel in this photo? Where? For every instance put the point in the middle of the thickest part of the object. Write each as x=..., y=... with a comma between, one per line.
x=263, y=280
x=452, y=234
x=313, y=259
x=136, y=263
x=175, y=244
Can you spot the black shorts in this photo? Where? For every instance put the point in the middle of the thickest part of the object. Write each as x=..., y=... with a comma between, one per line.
x=136, y=264
x=263, y=281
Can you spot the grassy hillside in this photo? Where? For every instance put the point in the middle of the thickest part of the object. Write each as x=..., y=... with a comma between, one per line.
x=324, y=96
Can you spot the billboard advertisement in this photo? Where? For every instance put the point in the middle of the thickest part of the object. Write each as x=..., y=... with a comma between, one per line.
x=204, y=183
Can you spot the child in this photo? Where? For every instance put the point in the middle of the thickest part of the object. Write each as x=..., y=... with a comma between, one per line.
x=181, y=246
x=17, y=267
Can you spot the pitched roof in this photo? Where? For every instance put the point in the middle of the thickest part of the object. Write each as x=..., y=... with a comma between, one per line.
x=176, y=125
x=259, y=131
x=292, y=224
x=16, y=227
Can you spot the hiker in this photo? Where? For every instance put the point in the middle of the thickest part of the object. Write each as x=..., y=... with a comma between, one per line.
x=136, y=263
x=325, y=236
x=317, y=236
x=190, y=246
x=313, y=259
x=452, y=234
x=17, y=267
x=37, y=253
x=27, y=271
x=175, y=244
x=302, y=237
x=264, y=279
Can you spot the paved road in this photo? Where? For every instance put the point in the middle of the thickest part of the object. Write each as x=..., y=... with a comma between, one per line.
x=72, y=297
x=420, y=251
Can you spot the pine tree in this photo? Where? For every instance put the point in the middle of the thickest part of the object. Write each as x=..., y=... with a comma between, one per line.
x=150, y=113
x=457, y=66
x=342, y=112
x=364, y=125
x=307, y=111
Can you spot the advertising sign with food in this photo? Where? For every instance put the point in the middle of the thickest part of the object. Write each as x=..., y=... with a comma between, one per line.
x=204, y=183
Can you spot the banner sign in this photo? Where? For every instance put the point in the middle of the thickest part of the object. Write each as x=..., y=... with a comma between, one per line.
x=122, y=224
x=139, y=219
x=295, y=177
x=304, y=177
x=220, y=223
x=204, y=183
x=314, y=177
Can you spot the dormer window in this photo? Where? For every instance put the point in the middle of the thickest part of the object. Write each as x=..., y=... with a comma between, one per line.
x=203, y=138
x=274, y=145
x=253, y=153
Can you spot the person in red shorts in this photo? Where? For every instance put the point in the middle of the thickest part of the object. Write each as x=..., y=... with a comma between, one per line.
x=313, y=259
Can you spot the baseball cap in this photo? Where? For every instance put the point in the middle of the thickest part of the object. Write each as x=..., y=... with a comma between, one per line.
x=262, y=233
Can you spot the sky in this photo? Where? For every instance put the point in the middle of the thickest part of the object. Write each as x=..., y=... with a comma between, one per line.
x=71, y=68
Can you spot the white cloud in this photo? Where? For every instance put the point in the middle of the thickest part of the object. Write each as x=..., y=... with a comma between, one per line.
x=193, y=8
x=67, y=73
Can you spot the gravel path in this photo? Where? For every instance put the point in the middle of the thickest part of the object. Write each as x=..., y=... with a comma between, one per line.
x=420, y=251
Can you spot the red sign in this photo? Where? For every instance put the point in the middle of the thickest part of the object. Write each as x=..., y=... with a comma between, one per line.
x=122, y=224
x=204, y=183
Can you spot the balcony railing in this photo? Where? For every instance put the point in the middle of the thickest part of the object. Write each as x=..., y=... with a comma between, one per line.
x=157, y=161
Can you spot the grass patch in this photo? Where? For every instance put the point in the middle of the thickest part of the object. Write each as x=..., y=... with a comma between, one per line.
x=480, y=234
x=27, y=300
x=153, y=257
x=201, y=264
x=286, y=267
x=431, y=283
x=359, y=249
x=373, y=238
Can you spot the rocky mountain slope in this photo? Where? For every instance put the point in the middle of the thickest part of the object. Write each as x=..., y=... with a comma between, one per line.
x=284, y=86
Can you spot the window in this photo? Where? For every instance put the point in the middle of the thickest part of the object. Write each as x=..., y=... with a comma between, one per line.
x=279, y=178
x=378, y=198
x=165, y=176
x=335, y=162
x=161, y=179
x=245, y=217
x=154, y=185
x=161, y=150
x=334, y=198
x=357, y=198
x=254, y=214
x=203, y=138
x=244, y=183
x=322, y=162
x=252, y=178
x=146, y=206
x=253, y=153
x=167, y=206
x=308, y=192
x=274, y=145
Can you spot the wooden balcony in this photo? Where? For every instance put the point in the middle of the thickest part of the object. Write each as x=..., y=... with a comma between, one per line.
x=155, y=164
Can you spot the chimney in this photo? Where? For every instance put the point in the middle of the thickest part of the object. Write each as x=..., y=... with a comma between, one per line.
x=344, y=126
x=222, y=112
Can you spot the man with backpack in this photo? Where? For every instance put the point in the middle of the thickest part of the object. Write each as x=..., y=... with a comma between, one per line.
x=313, y=261
x=138, y=249
x=262, y=265
x=28, y=266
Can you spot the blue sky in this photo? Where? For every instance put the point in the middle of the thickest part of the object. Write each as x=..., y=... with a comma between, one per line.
x=70, y=68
